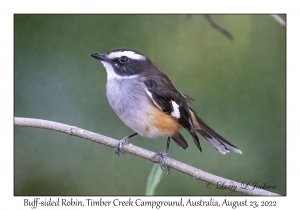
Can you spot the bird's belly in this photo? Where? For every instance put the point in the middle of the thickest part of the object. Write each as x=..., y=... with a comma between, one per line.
x=135, y=117
x=149, y=122
x=138, y=112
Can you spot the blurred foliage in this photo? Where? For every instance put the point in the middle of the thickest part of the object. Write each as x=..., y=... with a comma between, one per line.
x=154, y=178
x=239, y=89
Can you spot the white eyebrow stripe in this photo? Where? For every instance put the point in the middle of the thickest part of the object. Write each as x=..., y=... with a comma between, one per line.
x=129, y=54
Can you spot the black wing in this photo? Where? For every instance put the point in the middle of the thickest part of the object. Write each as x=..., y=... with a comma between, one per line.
x=164, y=95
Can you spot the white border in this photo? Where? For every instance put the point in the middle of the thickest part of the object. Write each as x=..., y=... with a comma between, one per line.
x=8, y=8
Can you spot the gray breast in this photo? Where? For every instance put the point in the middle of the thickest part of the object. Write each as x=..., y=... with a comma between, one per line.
x=129, y=100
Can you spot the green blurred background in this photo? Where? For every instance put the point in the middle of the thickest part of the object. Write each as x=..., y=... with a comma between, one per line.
x=239, y=89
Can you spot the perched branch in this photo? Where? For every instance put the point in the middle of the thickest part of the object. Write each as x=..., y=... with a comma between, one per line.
x=140, y=152
x=217, y=27
x=279, y=20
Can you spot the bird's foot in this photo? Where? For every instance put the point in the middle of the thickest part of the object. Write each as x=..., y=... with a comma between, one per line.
x=119, y=146
x=161, y=159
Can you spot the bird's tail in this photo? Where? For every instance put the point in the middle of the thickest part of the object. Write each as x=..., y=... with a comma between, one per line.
x=179, y=140
x=221, y=144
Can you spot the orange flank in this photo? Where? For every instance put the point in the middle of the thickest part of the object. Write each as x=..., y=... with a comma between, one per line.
x=166, y=124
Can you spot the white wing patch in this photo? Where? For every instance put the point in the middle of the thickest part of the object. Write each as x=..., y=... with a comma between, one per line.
x=129, y=54
x=175, y=107
x=175, y=112
x=150, y=95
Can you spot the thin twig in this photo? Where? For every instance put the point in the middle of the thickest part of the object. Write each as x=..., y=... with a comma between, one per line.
x=217, y=27
x=279, y=20
x=140, y=152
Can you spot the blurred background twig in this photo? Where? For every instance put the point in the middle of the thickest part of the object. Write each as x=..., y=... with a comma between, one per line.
x=218, y=27
x=279, y=20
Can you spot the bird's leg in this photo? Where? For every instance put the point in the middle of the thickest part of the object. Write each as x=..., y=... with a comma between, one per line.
x=161, y=156
x=119, y=146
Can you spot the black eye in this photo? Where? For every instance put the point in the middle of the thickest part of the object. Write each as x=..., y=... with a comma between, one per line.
x=123, y=59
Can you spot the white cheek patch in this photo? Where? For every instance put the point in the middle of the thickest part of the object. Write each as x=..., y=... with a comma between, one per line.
x=129, y=54
x=111, y=74
x=175, y=113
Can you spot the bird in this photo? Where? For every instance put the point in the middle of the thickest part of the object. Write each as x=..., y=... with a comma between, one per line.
x=146, y=100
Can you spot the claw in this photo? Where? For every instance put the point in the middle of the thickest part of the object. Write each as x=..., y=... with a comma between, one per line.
x=119, y=146
x=161, y=159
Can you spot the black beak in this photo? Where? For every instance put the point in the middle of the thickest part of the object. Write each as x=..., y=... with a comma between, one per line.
x=101, y=57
